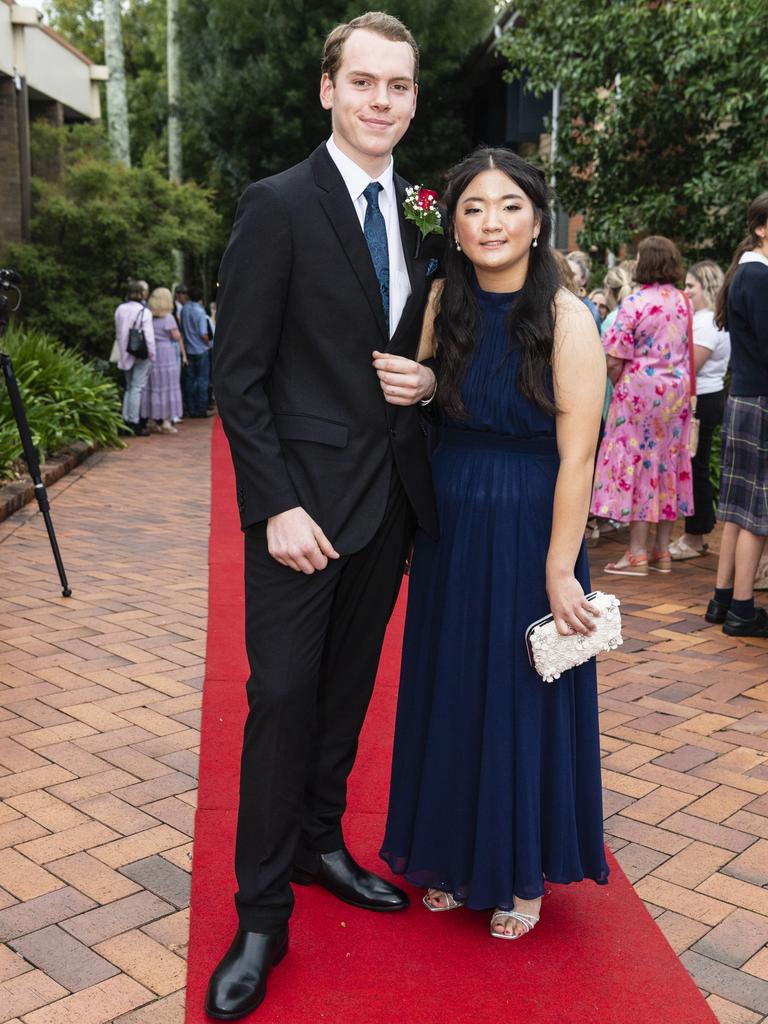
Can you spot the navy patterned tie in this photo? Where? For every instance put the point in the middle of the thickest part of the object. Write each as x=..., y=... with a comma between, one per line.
x=376, y=236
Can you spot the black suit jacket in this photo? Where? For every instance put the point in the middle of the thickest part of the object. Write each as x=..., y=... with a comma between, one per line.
x=299, y=314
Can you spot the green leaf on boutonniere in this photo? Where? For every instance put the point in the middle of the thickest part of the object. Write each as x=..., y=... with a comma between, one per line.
x=420, y=207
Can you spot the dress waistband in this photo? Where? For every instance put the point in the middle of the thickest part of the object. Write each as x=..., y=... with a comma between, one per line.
x=456, y=437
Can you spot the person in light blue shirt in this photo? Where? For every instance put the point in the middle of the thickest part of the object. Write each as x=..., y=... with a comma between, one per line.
x=195, y=328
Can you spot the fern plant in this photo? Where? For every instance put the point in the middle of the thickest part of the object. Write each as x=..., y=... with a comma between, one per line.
x=66, y=399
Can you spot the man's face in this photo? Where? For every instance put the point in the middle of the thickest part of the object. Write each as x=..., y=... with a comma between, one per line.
x=181, y=298
x=373, y=97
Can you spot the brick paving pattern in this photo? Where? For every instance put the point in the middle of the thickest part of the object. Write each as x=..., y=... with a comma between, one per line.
x=99, y=715
x=99, y=730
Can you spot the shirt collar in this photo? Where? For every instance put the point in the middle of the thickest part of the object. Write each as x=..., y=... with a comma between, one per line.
x=355, y=178
x=753, y=257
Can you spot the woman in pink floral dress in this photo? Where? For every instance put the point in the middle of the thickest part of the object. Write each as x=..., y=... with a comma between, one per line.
x=643, y=473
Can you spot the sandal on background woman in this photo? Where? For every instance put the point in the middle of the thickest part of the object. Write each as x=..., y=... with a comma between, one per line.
x=681, y=549
x=660, y=561
x=629, y=565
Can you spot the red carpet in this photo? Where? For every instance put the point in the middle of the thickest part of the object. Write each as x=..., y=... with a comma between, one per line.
x=596, y=957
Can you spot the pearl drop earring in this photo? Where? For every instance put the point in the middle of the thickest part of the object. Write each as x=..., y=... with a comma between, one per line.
x=458, y=247
x=535, y=242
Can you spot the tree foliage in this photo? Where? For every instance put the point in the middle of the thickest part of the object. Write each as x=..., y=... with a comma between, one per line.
x=664, y=114
x=255, y=85
x=96, y=227
x=144, y=39
x=251, y=71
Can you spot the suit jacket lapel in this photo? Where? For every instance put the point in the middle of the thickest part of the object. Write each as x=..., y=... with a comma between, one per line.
x=408, y=230
x=341, y=213
x=409, y=235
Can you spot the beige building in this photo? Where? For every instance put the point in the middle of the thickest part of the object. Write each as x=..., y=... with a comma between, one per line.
x=41, y=76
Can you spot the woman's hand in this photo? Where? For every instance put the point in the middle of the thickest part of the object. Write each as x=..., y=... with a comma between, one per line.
x=570, y=609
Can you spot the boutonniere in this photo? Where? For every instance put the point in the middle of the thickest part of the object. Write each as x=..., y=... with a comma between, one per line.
x=420, y=207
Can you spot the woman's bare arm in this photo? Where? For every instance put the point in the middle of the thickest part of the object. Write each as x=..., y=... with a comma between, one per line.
x=579, y=380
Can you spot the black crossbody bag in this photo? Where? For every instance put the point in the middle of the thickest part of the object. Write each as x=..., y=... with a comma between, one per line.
x=137, y=342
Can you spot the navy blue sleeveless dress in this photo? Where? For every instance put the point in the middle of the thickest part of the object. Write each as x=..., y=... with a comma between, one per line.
x=495, y=774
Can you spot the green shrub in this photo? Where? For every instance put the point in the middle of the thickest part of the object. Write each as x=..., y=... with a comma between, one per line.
x=65, y=398
x=96, y=226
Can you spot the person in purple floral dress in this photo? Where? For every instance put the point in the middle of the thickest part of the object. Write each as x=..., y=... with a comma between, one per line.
x=643, y=472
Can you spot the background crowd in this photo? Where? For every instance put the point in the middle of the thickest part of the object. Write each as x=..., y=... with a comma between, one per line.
x=672, y=357
x=680, y=364
x=163, y=348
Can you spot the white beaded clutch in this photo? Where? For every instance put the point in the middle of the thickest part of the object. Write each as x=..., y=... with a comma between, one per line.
x=552, y=654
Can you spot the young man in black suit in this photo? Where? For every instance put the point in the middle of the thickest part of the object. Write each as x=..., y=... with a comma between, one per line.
x=322, y=293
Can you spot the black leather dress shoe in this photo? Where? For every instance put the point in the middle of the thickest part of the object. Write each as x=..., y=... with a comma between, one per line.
x=716, y=612
x=239, y=983
x=338, y=873
x=734, y=625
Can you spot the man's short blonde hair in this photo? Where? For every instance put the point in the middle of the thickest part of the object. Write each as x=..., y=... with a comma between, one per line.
x=374, y=21
x=161, y=302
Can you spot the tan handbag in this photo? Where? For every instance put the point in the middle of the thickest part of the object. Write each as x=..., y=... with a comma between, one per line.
x=693, y=437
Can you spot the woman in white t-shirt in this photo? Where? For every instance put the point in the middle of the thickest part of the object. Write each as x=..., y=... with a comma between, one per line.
x=712, y=353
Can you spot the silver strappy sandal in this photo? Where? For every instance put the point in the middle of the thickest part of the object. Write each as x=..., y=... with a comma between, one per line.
x=451, y=902
x=529, y=922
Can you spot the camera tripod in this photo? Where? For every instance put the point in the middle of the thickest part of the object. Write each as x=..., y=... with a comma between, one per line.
x=9, y=281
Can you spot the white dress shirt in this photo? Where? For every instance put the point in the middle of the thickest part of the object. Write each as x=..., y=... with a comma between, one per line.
x=357, y=180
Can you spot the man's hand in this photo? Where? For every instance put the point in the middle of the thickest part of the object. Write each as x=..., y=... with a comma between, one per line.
x=403, y=381
x=295, y=540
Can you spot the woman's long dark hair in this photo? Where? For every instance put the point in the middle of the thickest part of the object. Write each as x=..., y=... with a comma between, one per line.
x=533, y=316
x=757, y=217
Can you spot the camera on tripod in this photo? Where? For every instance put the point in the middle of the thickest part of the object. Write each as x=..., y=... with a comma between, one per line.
x=9, y=278
x=9, y=282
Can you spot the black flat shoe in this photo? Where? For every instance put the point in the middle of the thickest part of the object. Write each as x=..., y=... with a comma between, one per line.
x=239, y=983
x=339, y=874
x=756, y=626
x=716, y=612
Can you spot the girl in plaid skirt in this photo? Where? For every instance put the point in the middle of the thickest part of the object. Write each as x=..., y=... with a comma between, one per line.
x=742, y=309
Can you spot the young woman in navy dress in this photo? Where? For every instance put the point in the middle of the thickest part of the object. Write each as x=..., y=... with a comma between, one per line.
x=496, y=774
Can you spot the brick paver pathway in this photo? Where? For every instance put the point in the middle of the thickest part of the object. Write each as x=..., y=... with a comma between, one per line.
x=99, y=729
x=99, y=712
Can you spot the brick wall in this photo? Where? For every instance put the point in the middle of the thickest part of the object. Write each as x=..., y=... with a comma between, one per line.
x=575, y=225
x=10, y=172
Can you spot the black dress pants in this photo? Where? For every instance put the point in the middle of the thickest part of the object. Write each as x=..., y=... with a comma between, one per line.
x=709, y=412
x=313, y=647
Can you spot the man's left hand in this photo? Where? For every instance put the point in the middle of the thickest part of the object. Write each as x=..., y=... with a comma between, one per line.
x=403, y=381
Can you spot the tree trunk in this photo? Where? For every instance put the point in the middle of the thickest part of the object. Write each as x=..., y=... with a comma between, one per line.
x=117, y=103
x=174, y=114
x=174, y=93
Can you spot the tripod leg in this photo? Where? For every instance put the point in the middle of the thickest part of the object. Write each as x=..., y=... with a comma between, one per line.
x=30, y=457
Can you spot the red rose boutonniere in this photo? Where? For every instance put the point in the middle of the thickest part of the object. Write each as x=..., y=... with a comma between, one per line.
x=420, y=206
